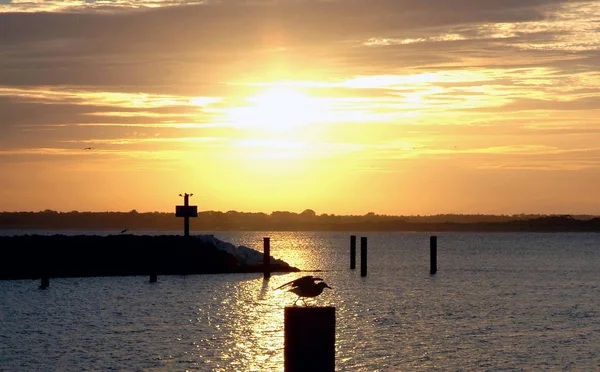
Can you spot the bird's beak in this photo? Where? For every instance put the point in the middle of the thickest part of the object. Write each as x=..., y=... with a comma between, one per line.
x=328, y=286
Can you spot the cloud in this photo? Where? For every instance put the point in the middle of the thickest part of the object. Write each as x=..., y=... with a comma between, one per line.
x=543, y=165
x=99, y=71
x=31, y=6
x=218, y=41
x=585, y=103
x=136, y=138
x=60, y=106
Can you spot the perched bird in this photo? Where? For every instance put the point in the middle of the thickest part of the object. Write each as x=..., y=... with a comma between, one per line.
x=305, y=286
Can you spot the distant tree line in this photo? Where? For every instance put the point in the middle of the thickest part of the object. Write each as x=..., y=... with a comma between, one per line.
x=308, y=220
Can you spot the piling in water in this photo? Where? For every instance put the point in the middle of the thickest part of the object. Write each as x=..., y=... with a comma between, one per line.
x=309, y=339
x=363, y=256
x=432, y=255
x=352, y=252
x=45, y=282
x=266, y=258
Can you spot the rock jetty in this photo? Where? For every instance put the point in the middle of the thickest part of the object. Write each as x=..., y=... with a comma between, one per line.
x=34, y=256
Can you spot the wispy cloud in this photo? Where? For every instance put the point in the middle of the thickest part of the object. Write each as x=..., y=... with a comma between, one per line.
x=136, y=139
x=78, y=96
x=86, y=5
x=571, y=165
x=570, y=27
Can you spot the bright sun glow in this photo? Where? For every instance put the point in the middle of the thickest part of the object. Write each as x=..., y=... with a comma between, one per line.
x=278, y=109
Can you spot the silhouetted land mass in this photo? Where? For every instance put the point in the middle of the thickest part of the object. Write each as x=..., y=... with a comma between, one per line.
x=289, y=221
x=32, y=256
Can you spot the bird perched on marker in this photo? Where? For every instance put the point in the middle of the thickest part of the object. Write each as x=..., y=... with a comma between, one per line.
x=306, y=286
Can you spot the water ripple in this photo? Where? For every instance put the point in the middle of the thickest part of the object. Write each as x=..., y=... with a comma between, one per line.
x=503, y=302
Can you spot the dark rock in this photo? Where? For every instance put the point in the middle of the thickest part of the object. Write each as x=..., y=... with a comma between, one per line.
x=28, y=256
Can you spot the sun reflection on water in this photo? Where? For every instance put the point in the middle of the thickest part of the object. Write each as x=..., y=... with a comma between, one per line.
x=304, y=250
x=253, y=315
x=241, y=322
x=247, y=325
x=262, y=343
x=298, y=250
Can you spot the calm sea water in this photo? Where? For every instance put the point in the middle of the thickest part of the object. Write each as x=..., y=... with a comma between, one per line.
x=499, y=302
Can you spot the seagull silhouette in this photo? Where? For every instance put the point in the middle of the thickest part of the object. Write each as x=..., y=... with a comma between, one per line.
x=124, y=230
x=304, y=287
x=88, y=148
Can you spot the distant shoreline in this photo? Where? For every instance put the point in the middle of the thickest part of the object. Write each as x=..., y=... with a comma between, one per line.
x=287, y=221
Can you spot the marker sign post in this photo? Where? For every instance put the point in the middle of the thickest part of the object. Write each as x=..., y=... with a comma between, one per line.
x=186, y=211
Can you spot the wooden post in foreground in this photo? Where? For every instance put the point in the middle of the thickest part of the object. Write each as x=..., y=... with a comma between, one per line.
x=153, y=276
x=309, y=339
x=352, y=252
x=363, y=256
x=267, y=258
x=432, y=255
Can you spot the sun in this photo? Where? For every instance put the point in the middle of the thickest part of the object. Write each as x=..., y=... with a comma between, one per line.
x=278, y=110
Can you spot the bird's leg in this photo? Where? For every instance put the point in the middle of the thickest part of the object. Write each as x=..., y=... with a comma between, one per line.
x=304, y=302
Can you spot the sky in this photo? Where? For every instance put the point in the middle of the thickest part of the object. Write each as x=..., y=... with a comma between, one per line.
x=398, y=107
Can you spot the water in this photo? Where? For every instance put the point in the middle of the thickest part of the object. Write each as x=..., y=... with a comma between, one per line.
x=499, y=302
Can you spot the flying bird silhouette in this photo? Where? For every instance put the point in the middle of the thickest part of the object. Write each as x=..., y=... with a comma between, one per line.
x=304, y=287
x=88, y=148
x=124, y=230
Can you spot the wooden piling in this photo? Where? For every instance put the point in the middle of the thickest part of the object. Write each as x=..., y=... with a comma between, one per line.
x=45, y=268
x=432, y=255
x=309, y=339
x=363, y=256
x=352, y=252
x=153, y=277
x=267, y=258
x=186, y=219
x=45, y=281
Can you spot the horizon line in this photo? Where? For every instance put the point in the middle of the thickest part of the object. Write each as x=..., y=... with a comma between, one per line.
x=134, y=211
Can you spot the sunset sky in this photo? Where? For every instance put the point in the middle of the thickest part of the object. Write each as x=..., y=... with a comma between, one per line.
x=343, y=106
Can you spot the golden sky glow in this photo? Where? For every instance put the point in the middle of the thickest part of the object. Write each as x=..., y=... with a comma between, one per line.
x=345, y=107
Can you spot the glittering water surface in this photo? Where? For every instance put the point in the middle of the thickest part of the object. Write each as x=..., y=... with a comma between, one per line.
x=499, y=302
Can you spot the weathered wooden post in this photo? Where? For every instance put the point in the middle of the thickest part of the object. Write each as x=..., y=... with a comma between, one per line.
x=309, y=339
x=153, y=263
x=266, y=258
x=352, y=252
x=45, y=281
x=186, y=219
x=363, y=256
x=46, y=265
x=186, y=211
x=432, y=255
